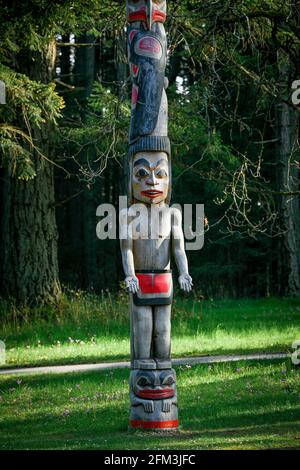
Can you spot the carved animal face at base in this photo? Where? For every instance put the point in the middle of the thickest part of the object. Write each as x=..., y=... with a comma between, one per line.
x=154, y=385
x=147, y=11
x=150, y=179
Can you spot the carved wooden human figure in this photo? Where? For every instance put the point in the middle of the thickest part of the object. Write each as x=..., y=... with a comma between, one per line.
x=149, y=240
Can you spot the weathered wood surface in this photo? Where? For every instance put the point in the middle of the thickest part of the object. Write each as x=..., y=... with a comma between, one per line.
x=156, y=233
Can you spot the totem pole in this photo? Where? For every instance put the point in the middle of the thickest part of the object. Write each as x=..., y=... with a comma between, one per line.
x=146, y=258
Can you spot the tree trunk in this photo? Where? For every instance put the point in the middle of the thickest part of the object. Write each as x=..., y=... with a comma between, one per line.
x=29, y=267
x=287, y=181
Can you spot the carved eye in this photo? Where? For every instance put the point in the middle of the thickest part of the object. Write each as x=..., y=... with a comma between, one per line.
x=169, y=380
x=161, y=174
x=141, y=173
x=143, y=381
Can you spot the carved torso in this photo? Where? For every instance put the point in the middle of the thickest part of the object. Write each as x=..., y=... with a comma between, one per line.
x=154, y=252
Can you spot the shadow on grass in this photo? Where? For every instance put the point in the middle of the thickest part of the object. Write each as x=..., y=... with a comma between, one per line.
x=249, y=410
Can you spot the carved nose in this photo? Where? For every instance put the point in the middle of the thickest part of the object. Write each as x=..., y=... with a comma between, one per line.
x=152, y=181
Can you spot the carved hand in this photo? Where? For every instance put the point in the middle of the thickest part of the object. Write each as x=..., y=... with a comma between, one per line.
x=166, y=406
x=185, y=282
x=148, y=406
x=132, y=284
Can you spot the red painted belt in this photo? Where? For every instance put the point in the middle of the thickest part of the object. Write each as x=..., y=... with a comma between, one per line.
x=155, y=287
x=152, y=283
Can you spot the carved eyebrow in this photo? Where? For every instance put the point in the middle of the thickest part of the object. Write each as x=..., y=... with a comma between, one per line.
x=163, y=376
x=162, y=160
x=148, y=375
x=142, y=161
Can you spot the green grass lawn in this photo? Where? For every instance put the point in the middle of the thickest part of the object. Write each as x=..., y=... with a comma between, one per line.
x=89, y=328
x=225, y=406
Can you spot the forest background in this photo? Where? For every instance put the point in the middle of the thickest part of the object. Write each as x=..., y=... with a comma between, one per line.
x=233, y=126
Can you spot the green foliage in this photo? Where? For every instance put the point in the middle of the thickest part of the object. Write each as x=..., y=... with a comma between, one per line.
x=16, y=156
x=33, y=24
x=88, y=328
x=189, y=132
x=35, y=104
x=101, y=135
x=106, y=121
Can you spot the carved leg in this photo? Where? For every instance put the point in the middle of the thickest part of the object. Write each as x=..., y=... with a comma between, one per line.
x=162, y=336
x=142, y=327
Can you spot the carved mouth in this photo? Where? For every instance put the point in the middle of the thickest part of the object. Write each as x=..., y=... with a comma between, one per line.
x=156, y=394
x=152, y=193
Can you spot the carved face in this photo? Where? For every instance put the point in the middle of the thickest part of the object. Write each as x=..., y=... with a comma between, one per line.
x=147, y=11
x=150, y=179
x=154, y=385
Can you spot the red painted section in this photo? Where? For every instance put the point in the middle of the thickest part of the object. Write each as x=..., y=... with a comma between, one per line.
x=156, y=394
x=154, y=283
x=132, y=34
x=134, y=70
x=134, y=94
x=141, y=15
x=150, y=45
x=136, y=423
x=158, y=16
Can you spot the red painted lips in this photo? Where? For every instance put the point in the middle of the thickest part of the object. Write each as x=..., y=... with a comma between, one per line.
x=156, y=394
x=152, y=193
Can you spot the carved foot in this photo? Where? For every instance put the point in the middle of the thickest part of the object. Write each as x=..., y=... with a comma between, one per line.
x=147, y=364
x=163, y=363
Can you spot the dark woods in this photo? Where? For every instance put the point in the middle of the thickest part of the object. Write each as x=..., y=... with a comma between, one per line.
x=233, y=127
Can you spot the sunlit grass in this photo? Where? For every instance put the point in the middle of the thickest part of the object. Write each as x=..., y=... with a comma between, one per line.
x=225, y=406
x=89, y=328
